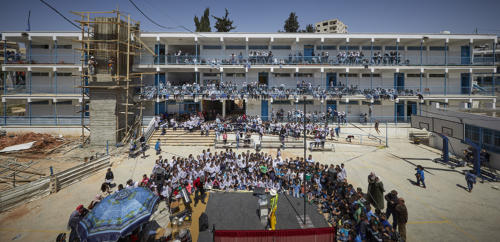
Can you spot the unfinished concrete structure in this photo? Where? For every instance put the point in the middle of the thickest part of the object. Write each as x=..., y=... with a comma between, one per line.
x=108, y=45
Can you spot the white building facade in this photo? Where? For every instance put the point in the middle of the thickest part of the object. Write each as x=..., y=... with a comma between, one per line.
x=42, y=87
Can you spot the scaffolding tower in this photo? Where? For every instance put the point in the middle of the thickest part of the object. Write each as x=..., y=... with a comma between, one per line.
x=109, y=42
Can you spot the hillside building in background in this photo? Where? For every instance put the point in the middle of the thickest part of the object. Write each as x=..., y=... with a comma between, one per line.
x=332, y=26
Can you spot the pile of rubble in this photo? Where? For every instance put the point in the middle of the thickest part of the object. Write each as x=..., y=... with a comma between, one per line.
x=43, y=142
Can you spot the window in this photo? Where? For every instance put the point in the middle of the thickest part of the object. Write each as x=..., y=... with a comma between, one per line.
x=393, y=48
x=212, y=47
x=472, y=133
x=39, y=74
x=325, y=23
x=40, y=102
x=303, y=75
x=64, y=74
x=436, y=48
x=326, y=47
x=496, y=139
x=348, y=75
x=281, y=47
x=286, y=102
x=308, y=102
x=39, y=46
x=282, y=75
x=414, y=75
x=416, y=48
x=436, y=75
x=211, y=74
x=69, y=102
x=351, y=102
x=488, y=136
x=370, y=75
x=333, y=27
x=378, y=102
x=63, y=47
x=258, y=47
x=235, y=47
x=235, y=74
x=368, y=47
x=346, y=47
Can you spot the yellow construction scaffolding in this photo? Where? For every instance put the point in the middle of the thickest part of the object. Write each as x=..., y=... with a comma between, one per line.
x=121, y=49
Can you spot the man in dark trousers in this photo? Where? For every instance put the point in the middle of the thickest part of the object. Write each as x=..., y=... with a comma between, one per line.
x=74, y=219
x=200, y=190
x=392, y=201
x=402, y=217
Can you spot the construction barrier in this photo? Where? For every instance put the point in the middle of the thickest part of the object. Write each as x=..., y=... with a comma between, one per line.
x=46, y=185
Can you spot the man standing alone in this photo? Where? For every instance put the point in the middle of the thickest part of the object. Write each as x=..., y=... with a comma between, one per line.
x=402, y=217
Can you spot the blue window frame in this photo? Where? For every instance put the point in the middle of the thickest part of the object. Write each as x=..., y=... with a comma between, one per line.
x=416, y=48
x=258, y=47
x=212, y=47
x=351, y=47
x=437, y=48
x=235, y=47
x=281, y=47
x=368, y=47
x=326, y=47
x=472, y=133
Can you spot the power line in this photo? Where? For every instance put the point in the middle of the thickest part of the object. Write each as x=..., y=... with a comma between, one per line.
x=151, y=20
x=161, y=26
x=60, y=14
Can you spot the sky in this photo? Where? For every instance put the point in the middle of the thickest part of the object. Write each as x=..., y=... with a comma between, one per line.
x=361, y=16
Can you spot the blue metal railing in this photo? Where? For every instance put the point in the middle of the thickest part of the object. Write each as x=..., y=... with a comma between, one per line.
x=293, y=59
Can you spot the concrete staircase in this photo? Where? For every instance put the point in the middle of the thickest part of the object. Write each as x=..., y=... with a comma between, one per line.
x=182, y=138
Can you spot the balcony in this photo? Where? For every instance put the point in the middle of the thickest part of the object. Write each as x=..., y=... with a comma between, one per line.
x=41, y=59
x=300, y=60
x=360, y=92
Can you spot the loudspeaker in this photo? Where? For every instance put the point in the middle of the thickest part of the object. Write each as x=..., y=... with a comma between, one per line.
x=259, y=191
x=203, y=221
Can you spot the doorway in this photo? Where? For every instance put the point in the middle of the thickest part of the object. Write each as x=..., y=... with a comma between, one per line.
x=465, y=54
x=331, y=80
x=263, y=78
x=160, y=54
x=308, y=52
x=211, y=109
x=465, y=83
x=399, y=81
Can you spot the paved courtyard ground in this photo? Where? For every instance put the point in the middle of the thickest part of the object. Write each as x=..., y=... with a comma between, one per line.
x=444, y=211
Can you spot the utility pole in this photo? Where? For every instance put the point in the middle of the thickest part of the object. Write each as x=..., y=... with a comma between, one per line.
x=305, y=162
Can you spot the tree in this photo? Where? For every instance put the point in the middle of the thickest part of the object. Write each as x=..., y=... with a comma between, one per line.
x=203, y=23
x=223, y=24
x=310, y=28
x=292, y=23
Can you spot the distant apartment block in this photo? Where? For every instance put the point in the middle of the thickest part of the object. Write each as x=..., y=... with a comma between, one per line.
x=332, y=26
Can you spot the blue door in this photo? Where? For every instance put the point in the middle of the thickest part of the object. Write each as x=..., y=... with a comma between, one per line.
x=160, y=54
x=308, y=52
x=399, y=81
x=411, y=108
x=465, y=83
x=264, y=78
x=160, y=78
x=399, y=112
x=331, y=80
x=465, y=54
x=264, y=110
x=331, y=104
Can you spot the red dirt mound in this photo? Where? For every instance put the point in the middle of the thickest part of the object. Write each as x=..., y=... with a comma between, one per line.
x=43, y=141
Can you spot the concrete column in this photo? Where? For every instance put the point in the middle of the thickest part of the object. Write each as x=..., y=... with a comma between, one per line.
x=406, y=109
